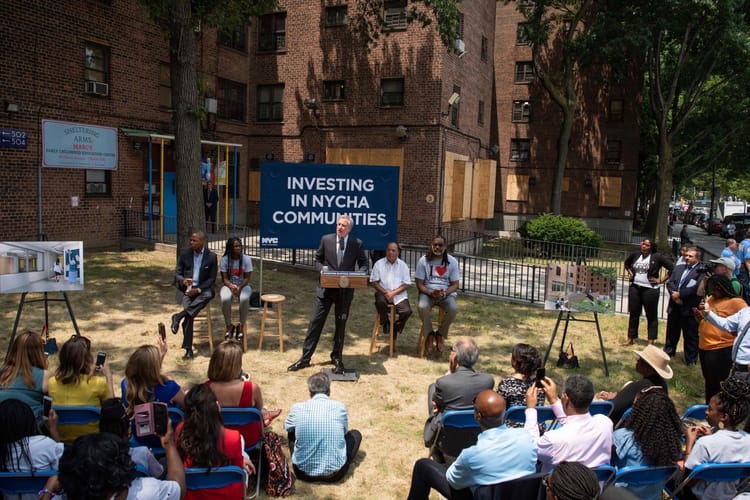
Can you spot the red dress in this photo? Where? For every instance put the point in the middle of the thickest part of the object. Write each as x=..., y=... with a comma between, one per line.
x=251, y=432
x=231, y=446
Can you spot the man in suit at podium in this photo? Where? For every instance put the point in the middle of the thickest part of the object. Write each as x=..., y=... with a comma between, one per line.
x=338, y=252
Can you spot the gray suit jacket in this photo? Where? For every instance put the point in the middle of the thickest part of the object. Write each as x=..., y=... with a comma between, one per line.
x=457, y=390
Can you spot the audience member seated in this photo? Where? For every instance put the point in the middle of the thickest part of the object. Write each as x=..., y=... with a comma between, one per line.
x=203, y=441
x=226, y=380
x=454, y=391
x=115, y=420
x=21, y=446
x=235, y=268
x=390, y=278
x=98, y=467
x=501, y=454
x=525, y=361
x=144, y=382
x=77, y=382
x=653, y=366
x=582, y=438
x=24, y=376
x=650, y=435
x=322, y=446
x=726, y=412
x=572, y=481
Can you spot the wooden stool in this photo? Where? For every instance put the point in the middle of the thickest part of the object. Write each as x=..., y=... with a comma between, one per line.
x=205, y=315
x=422, y=341
x=272, y=298
x=376, y=328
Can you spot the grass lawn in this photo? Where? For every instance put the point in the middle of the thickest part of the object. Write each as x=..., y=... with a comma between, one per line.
x=128, y=294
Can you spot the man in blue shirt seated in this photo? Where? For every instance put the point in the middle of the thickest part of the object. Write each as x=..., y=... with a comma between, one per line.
x=501, y=454
x=322, y=447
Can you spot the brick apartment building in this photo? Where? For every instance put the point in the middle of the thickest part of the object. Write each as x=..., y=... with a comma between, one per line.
x=293, y=86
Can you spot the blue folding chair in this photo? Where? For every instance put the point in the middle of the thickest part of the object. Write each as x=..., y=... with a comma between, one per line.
x=238, y=417
x=460, y=430
x=604, y=473
x=645, y=482
x=19, y=483
x=622, y=419
x=696, y=413
x=77, y=415
x=601, y=407
x=715, y=473
x=544, y=415
x=201, y=478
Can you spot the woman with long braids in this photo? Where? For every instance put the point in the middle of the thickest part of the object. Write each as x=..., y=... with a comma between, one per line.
x=203, y=441
x=726, y=411
x=650, y=435
x=715, y=344
x=572, y=481
x=437, y=279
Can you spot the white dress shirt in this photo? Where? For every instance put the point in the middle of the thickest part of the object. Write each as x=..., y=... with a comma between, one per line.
x=392, y=276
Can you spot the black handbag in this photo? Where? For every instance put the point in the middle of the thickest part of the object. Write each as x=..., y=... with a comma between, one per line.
x=568, y=360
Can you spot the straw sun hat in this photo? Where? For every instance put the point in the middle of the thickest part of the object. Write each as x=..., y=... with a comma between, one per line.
x=656, y=359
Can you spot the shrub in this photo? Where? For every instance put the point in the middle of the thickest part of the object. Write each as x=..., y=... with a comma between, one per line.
x=560, y=229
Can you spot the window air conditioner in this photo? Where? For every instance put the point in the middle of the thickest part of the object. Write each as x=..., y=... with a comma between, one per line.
x=97, y=88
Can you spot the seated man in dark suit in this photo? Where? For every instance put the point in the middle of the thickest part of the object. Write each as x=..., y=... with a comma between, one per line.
x=195, y=277
x=455, y=391
x=501, y=454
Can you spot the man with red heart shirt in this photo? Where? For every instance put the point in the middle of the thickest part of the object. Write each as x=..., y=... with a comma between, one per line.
x=437, y=278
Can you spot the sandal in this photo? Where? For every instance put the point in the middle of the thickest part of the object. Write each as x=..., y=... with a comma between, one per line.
x=440, y=343
x=268, y=416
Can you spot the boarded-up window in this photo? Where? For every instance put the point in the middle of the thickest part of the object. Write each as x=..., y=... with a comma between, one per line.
x=253, y=185
x=518, y=188
x=610, y=191
x=456, y=187
x=483, y=190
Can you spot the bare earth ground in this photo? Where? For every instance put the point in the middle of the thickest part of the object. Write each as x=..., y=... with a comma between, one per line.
x=127, y=294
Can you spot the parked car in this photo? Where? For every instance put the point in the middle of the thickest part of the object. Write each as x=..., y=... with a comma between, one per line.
x=713, y=226
x=741, y=222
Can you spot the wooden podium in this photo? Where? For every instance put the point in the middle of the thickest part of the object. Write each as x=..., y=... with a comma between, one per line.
x=343, y=279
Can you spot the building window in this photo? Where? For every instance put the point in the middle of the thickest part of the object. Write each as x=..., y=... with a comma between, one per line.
x=165, y=86
x=524, y=72
x=392, y=92
x=616, y=110
x=333, y=90
x=520, y=149
x=271, y=103
x=235, y=38
x=521, y=111
x=484, y=49
x=394, y=15
x=336, y=15
x=456, y=108
x=480, y=113
x=614, y=151
x=231, y=100
x=98, y=182
x=272, y=32
x=96, y=63
x=522, y=38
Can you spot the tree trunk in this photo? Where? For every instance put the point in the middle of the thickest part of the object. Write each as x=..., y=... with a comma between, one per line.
x=664, y=187
x=190, y=213
x=563, y=142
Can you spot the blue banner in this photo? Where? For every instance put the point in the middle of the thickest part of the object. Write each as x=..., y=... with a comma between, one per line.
x=300, y=202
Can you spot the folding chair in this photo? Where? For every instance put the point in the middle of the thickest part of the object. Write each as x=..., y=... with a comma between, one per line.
x=19, y=483
x=77, y=415
x=201, y=478
x=604, y=473
x=645, y=482
x=460, y=430
x=715, y=473
x=600, y=407
x=622, y=419
x=527, y=488
x=238, y=417
x=544, y=415
x=696, y=413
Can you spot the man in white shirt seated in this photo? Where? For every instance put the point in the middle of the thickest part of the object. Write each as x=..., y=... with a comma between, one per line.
x=391, y=278
x=582, y=438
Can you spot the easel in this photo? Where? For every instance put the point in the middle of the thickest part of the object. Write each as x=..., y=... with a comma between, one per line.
x=46, y=300
x=568, y=318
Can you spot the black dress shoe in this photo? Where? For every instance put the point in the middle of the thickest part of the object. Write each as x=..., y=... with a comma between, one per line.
x=176, y=322
x=298, y=365
x=338, y=366
x=387, y=328
x=238, y=333
x=188, y=354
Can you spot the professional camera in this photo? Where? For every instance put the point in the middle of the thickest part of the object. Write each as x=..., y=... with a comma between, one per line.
x=705, y=268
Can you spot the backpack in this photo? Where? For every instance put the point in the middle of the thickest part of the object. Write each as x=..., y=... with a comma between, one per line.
x=280, y=478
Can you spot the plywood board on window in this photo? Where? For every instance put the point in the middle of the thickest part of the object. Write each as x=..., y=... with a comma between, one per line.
x=566, y=184
x=459, y=178
x=371, y=156
x=517, y=188
x=253, y=185
x=483, y=189
x=453, y=193
x=610, y=191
